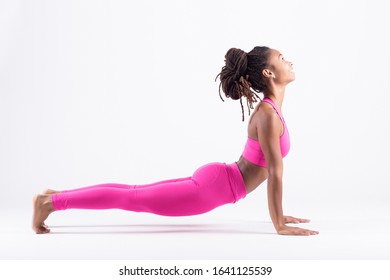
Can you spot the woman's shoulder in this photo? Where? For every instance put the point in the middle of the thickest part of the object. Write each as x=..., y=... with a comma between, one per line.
x=265, y=113
x=263, y=118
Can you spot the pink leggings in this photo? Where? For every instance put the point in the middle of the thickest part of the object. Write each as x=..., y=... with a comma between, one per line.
x=211, y=185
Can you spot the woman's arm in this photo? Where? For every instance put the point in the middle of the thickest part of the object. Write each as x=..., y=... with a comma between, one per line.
x=269, y=130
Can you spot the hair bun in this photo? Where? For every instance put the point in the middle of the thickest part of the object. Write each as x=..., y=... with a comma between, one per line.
x=236, y=61
x=235, y=68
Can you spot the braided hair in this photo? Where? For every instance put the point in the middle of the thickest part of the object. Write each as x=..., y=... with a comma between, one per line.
x=241, y=75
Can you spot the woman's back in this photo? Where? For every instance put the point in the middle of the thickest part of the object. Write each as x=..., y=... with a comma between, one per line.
x=252, y=162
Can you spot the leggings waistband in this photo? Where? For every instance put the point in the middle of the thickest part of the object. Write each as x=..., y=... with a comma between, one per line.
x=236, y=181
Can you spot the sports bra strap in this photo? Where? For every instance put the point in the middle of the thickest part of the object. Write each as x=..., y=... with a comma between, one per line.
x=268, y=100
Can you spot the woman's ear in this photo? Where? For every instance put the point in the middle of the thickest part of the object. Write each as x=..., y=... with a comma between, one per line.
x=268, y=73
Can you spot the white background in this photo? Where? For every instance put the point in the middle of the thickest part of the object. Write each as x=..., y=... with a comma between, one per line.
x=123, y=91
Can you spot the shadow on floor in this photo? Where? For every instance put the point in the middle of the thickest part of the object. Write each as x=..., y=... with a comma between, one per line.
x=249, y=228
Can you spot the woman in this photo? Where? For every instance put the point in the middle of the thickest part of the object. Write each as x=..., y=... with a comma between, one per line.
x=261, y=70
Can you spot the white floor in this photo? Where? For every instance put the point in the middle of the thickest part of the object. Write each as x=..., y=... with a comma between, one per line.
x=357, y=234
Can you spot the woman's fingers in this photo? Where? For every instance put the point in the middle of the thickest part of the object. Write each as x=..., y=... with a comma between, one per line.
x=289, y=219
x=307, y=232
x=296, y=231
x=303, y=220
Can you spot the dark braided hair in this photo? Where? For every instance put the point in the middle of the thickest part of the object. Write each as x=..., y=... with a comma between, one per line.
x=242, y=75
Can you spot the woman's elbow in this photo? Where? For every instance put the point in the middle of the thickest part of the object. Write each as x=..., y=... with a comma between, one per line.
x=275, y=172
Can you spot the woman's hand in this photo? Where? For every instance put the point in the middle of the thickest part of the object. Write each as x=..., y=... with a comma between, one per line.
x=287, y=230
x=293, y=220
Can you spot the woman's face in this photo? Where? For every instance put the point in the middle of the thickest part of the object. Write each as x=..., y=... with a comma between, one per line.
x=282, y=69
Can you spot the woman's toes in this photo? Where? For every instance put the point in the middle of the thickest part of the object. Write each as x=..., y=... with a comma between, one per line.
x=42, y=230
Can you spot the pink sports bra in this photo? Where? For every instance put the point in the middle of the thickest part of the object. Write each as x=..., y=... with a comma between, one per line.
x=252, y=151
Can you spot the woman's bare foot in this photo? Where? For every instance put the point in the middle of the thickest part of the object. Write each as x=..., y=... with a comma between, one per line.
x=42, y=209
x=50, y=191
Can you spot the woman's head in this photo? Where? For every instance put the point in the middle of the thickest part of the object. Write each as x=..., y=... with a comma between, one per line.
x=280, y=71
x=246, y=74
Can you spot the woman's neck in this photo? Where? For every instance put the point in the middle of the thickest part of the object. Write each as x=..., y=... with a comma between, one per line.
x=276, y=94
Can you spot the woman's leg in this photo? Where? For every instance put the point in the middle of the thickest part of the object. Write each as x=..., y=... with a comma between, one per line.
x=157, y=199
x=209, y=187
x=41, y=212
x=193, y=195
x=116, y=185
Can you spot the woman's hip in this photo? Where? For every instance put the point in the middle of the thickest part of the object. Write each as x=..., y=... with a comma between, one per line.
x=221, y=180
